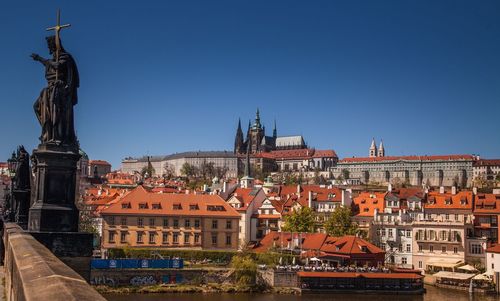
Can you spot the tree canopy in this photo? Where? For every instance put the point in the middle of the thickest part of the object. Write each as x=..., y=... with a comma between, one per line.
x=339, y=223
x=301, y=220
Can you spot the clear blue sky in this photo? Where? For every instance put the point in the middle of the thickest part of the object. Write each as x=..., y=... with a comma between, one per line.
x=159, y=77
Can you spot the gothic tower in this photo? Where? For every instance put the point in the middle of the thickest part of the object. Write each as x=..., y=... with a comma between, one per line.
x=238, y=141
x=275, y=132
x=373, y=149
x=381, y=150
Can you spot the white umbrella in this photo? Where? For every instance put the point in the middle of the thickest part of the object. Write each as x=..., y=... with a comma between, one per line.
x=481, y=277
x=315, y=259
x=468, y=267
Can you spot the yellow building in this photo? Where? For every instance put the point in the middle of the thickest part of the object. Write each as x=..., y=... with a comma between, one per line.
x=145, y=219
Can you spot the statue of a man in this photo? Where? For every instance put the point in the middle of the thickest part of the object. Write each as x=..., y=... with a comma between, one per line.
x=23, y=173
x=54, y=106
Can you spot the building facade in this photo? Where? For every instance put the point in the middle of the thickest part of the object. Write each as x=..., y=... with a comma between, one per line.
x=162, y=220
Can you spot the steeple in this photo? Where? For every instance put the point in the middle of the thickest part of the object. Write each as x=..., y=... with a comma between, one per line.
x=247, y=180
x=257, y=119
x=275, y=132
x=381, y=151
x=238, y=141
x=373, y=149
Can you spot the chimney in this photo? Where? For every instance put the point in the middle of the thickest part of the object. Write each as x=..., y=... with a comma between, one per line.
x=441, y=189
x=310, y=198
x=389, y=187
x=346, y=197
x=474, y=190
x=454, y=190
x=224, y=186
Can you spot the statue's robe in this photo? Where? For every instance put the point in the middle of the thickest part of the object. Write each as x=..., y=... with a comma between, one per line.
x=54, y=106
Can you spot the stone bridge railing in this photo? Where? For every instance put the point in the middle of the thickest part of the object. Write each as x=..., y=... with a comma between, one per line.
x=32, y=272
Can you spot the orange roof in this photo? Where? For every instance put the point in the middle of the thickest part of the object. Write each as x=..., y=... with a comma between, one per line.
x=99, y=162
x=487, y=162
x=359, y=275
x=493, y=249
x=302, y=154
x=141, y=202
x=246, y=196
x=487, y=203
x=349, y=244
x=367, y=202
x=408, y=158
x=460, y=200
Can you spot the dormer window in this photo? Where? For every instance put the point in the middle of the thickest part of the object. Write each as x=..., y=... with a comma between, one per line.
x=194, y=207
x=363, y=201
x=177, y=207
x=366, y=210
x=156, y=206
x=126, y=206
x=143, y=205
x=463, y=202
x=447, y=202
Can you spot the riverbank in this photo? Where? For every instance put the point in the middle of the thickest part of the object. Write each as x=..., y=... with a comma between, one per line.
x=192, y=289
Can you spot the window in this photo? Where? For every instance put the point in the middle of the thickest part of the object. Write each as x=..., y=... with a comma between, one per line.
x=194, y=207
x=455, y=250
x=140, y=222
x=186, y=238
x=443, y=249
x=177, y=207
x=214, y=239
x=152, y=222
x=139, y=237
x=408, y=233
x=431, y=248
x=164, y=238
x=123, y=236
x=404, y=260
x=390, y=232
x=176, y=238
x=228, y=240
x=111, y=220
x=197, y=223
x=156, y=206
x=187, y=223
x=408, y=248
x=111, y=238
x=197, y=238
x=492, y=266
x=420, y=264
x=456, y=217
x=420, y=248
x=476, y=249
x=400, y=248
x=123, y=221
x=228, y=224
x=165, y=222
x=126, y=206
x=143, y=205
x=383, y=232
x=152, y=237
x=215, y=224
x=176, y=223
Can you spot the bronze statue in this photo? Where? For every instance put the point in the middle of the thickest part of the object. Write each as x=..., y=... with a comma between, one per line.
x=54, y=106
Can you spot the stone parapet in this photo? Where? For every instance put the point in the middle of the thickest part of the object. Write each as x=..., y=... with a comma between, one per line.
x=32, y=272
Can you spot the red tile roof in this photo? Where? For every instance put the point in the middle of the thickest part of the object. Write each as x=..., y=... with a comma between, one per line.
x=487, y=162
x=366, y=203
x=487, y=203
x=493, y=249
x=99, y=162
x=349, y=245
x=460, y=200
x=408, y=158
x=291, y=154
x=140, y=202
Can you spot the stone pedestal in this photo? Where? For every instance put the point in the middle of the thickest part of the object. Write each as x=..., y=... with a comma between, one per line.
x=53, y=216
x=54, y=208
x=22, y=201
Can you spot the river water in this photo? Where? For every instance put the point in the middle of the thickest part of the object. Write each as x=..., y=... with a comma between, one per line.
x=433, y=294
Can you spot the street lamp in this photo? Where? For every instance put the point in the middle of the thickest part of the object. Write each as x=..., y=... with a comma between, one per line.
x=12, y=164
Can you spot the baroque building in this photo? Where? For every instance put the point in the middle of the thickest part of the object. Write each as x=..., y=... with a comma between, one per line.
x=445, y=170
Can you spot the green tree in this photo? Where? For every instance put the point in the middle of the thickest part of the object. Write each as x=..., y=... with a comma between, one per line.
x=339, y=223
x=188, y=170
x=245, y=270
x=345, y=174
x=301, y=220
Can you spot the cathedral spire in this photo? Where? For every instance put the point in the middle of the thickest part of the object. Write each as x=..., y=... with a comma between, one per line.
x=238, y=141
x=257, y=119
x=275, y=132
x=381, y=150
x=373, y=149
